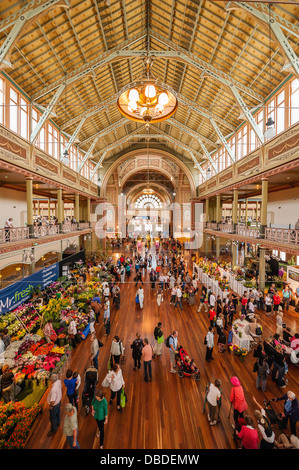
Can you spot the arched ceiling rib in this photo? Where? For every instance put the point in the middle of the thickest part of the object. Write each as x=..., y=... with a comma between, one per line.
x=72, y=59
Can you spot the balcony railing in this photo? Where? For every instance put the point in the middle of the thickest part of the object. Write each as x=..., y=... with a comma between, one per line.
x=22, y=233
x=45, y=230
x=13, y=234
x=228, y=228
x=248, y=231
x=282, y=235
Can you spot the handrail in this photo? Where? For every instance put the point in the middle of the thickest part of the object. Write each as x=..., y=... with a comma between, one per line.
x=13, y=234
x=282, y=235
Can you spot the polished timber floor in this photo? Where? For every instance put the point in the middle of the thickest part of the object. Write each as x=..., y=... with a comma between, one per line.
x=166, y=413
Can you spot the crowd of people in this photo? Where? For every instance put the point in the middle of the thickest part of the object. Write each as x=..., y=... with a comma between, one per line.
x=167, y=272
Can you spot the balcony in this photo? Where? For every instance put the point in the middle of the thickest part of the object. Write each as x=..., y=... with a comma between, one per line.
x=17, y=234
x=272, y=238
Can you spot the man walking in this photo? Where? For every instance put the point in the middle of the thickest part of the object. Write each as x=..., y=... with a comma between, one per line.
x=210, y=344
x=54, y=401
x=147, y=354
x=94, y=351
x=70, y=426
x=179, y=297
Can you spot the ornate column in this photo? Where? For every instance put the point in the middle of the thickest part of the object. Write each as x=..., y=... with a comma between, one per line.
x=235, y=210
x=77, y=208
x=29, y=197
x=60, y=211
x=218, y=209
x=88, y=210
x=262, y=268
x=264, y=205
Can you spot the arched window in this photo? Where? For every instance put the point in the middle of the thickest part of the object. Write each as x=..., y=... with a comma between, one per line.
x=148, y=200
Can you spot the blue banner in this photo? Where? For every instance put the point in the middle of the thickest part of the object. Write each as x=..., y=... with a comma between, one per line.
x=15, y=295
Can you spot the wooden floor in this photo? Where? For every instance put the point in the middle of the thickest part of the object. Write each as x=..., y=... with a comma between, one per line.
x=166, y=413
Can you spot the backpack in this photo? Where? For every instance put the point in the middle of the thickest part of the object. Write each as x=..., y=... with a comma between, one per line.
x=167, y=341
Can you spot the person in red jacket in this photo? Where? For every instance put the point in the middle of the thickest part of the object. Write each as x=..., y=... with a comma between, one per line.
x=237, y=399
x=212, y=316
x=276, y=301
x=248, y=435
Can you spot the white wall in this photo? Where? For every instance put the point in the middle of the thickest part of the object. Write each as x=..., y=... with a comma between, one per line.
x=283, y=207
x=13, y=204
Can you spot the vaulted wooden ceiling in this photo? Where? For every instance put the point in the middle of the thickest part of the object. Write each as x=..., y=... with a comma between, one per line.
x=72, y=58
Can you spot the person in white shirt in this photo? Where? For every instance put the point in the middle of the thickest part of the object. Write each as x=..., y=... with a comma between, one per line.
x=179, y=297
x=54, y=402
x=210, y=344
x=140, y=293
x=117, y=383
x=171, y=282
x=213, y=397
x=173, y=295
x=7, y=227
x=212, y=300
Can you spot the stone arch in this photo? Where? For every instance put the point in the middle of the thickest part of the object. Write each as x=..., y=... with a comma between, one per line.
x=164, y=156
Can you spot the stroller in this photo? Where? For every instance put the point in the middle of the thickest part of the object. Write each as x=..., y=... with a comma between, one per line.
x=274, y=418
x=186, y=367
x=91, y=379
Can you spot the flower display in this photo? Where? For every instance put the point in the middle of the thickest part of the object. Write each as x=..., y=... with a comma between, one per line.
x=15, y=423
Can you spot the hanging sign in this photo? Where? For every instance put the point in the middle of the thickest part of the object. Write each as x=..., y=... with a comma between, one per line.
x=13, y=296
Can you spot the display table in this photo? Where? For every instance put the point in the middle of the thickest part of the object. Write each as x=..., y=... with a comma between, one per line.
x=243, y=327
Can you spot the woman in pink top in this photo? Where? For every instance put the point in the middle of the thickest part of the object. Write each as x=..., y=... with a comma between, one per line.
x=248, y=435
x=237, y=398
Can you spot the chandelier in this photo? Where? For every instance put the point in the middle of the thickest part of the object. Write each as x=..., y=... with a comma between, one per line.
x=147, y=100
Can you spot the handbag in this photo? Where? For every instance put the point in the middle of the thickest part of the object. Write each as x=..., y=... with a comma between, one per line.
x=137, y=299
x=105, y=382
x=160, y=339
x=205, y=340
x=123, y=398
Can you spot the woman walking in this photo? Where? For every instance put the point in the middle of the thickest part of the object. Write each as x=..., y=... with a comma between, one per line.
x=116, y=349
x=115, y=378
x=140, y=293
x=237, y=399
x=99, y=411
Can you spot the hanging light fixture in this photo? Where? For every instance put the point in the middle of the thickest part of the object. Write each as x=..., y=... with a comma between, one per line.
x=147, y=100
x=270, y=124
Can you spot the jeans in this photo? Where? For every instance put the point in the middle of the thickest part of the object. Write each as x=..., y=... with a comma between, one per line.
x=95, y=360
x=70, y=441
x=55, y=417
x=147, y=370
x=285, y=302
x=72, y=399
x=137, y=363
x=179, y=301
